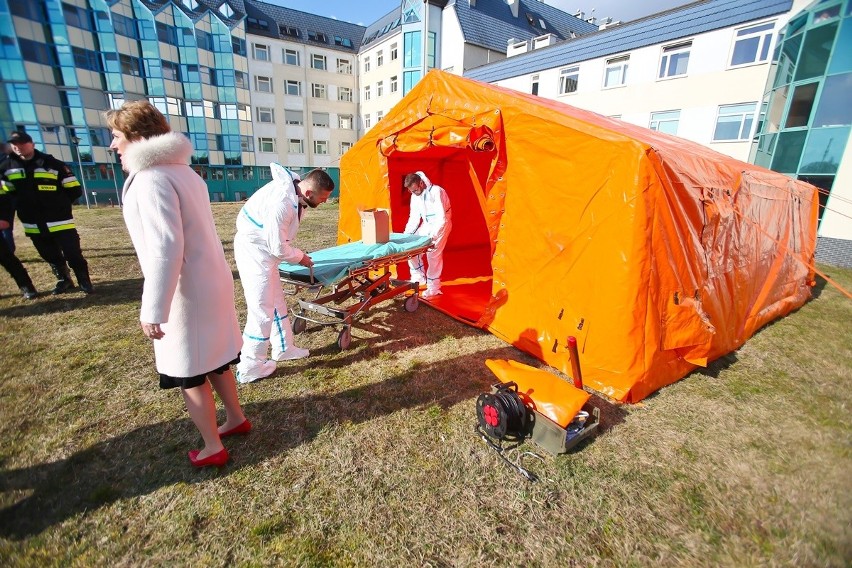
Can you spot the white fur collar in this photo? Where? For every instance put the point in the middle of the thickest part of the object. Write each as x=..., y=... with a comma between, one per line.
x=171, y=148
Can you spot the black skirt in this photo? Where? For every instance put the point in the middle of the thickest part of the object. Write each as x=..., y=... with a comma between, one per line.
x=169, y=382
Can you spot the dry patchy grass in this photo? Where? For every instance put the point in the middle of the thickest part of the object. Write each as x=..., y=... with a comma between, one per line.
x=367, y=457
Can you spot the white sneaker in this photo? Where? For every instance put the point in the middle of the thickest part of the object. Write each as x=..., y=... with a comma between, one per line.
x=264, y=370
x=430, y=294
x=291, y=353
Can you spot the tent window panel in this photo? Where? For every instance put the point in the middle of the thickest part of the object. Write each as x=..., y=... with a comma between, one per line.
x=788, y=150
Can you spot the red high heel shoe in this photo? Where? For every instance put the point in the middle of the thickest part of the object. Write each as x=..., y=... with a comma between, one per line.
x=218, y=459
x=242, y=428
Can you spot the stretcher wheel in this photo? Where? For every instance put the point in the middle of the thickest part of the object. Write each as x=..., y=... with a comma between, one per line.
x=344, y=338
x=299, y=324
x=411, y=303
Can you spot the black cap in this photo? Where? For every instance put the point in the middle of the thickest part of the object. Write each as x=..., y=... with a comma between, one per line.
x=19, y=138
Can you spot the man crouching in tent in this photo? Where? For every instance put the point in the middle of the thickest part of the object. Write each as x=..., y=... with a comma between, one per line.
x=266, y=227
x=430, y=216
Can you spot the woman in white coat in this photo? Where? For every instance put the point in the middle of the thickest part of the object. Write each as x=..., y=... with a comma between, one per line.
x=188, y=294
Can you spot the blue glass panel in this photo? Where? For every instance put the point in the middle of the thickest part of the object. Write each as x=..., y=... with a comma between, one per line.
x=816, y=51
x=824, y=149
x=788, y=150
x=841, y=57
x=834, y=107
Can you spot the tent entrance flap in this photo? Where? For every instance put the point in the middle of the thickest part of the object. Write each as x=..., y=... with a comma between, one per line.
x=466, y=277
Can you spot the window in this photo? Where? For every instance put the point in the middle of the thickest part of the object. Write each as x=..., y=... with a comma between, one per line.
x=288, y=31
x=238, y=45
x=293, y=88
x=260, y=52
x=675, y=60
x=244, y=112
x=266, y=115
x=342, y=41
x=344, y=121
x=241, y=79
x=380, y=59
x=171, y=71
x=291, y=57
x=318, y=90
x=380, y=88
x=751, y=44
x=344, y=94
x=367, y=93
x=367, y=63
x=226, y=110
x=130, y=65
x=295, y=146
x=665, y=121
x=345, y=146
x=616, y=71
x=569, y=78
x=265, y=173
x=344, y=66
x=394, y=84
x=266, y=145
x=262, y=84
x=318, y=62
x=394, y=52
x=246, y=144
x=734, y=122
x=411, y=46
x=320, y=119
x=226, y=10
x=534, y=85
x=366, y=121
x=799, y=113
x=380, y=115
x=321, y=147
x=293, y=116
x=317, y=36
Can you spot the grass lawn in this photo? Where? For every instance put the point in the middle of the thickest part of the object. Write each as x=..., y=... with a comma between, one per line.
x=368, y=456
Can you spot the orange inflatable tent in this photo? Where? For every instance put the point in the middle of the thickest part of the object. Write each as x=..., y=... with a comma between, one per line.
x=656, y=253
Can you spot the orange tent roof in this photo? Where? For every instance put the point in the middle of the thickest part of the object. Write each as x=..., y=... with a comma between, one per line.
x=656, y=253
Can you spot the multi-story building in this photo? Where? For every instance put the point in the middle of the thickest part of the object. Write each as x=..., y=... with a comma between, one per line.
x=403, y=45
x=65, y=62
x=700, y=72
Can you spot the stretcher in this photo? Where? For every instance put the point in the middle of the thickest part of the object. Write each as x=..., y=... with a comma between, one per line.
x=349, y=279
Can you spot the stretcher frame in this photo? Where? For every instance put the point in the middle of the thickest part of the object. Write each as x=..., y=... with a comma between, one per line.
x=360, y=283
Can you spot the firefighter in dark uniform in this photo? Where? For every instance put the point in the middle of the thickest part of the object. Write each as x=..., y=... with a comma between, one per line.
x=45, y=189
x=8, y=260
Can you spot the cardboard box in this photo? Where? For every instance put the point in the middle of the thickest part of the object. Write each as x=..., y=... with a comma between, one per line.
x=375, y=226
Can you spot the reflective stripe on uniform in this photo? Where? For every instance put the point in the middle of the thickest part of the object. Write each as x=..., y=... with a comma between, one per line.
x=6, y=187
x=46, y=187
x=41, y=173
x=15, y=173
x=70, y=182
x=53, y=227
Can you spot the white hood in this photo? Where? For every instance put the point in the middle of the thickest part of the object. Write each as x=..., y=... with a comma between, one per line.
x=171, y=148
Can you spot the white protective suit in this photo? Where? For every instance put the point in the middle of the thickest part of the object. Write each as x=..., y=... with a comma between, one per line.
x=430, y=215
x=266, y=227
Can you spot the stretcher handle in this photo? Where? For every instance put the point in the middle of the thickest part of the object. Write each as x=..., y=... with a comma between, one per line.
x=311, y=268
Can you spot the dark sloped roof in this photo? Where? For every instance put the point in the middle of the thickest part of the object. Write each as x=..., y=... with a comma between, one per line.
x=490, y=23
x=387, y=25
x=307, y=26
x=238, y=7
x=682, y=22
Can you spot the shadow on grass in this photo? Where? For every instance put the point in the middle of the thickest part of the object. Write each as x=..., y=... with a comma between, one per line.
x=153, y=456
x=106, y=293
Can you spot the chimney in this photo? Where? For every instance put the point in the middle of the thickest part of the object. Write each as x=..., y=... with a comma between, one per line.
x=514, y=5
x=579, y=14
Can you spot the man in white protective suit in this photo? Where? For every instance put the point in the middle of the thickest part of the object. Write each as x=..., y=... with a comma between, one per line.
x=430, y=215
x=266, y=227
